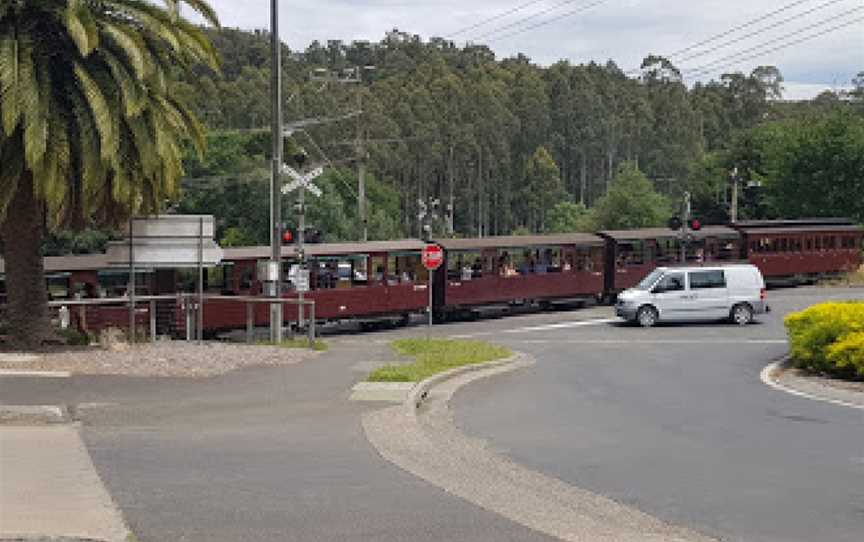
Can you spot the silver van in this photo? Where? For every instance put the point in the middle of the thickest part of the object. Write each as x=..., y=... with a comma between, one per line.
x=734, y=292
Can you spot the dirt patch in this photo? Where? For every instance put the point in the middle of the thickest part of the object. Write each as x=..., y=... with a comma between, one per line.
x=168, y=359
x=845, y=385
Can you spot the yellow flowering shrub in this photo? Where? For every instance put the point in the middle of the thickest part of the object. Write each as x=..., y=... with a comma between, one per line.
x=825, y=338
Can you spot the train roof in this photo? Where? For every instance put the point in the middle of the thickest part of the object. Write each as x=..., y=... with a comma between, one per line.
x=790, y=223
x=519, y=241
x=660, y=233
x=327, y=249
x=822, y=228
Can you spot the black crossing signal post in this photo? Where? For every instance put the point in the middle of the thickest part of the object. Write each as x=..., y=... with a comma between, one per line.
x=685, y=226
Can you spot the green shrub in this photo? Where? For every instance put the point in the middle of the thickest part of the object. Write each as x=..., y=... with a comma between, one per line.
x=817, y=332
x=73, y=337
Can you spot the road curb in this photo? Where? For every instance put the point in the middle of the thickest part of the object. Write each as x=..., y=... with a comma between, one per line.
x=427, y=443
x=32, y=415
x=798, y=385
x=421, y=390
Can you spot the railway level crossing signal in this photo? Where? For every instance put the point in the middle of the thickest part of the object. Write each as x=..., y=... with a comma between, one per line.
x=432, y=257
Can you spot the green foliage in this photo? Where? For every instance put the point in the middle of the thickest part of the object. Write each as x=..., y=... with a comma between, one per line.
x=827, y=339
x=567, y=217
x=88, y=241
x=73, y=337
x=87, y=105
x=631, y=203
x=817, y=169
x=543, y=188
x=436, y=356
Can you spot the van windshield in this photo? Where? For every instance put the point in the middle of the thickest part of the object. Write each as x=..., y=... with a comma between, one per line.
x=648, y=282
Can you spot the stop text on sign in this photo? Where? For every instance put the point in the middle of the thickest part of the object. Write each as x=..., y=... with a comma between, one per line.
x=432, y=257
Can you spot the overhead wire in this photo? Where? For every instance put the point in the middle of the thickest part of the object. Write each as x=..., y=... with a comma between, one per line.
x=709, y=69
x=757, y=49
x=524, y=19
x=762, y=30
x=493, y=19
x=580, y=9
x=734, y=29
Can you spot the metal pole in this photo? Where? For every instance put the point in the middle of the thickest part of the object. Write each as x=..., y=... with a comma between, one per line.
x=153, y=321
x=250, y=327
x=301, y=239
x=312, y=325
x=131, y=280
x=361, y=169
x=429, y=329
x=734, y=210
x=200, y=313
x=275, y=177
x=685, y=228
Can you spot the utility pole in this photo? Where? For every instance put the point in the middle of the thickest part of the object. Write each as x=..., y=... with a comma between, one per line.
x=733, y=214
x=276, y=174
x=451, y=205
x=685, y=228
x=351, y=76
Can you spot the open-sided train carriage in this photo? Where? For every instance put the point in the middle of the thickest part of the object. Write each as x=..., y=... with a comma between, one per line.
x=632, y=254
x=503, y=270
x=802, y=250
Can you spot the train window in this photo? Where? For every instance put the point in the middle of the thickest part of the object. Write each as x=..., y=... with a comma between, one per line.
x=784, y=245
x=402, y=267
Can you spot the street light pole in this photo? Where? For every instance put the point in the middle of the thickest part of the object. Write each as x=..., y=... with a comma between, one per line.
x=275, y=177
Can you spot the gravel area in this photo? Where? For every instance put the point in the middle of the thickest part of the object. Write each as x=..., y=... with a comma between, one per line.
x=168, y=359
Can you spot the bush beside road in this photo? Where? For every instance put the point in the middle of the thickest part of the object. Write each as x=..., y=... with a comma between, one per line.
x=828, y=338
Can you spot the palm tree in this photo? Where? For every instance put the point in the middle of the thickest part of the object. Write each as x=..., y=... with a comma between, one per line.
x=89, y=129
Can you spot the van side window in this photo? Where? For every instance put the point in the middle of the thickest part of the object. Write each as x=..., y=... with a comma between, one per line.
x=700, y=280
x=673, y=282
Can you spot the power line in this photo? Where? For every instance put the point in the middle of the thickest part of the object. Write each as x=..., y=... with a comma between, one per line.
x=525, y=19
x=709, y=69
x=578, y=10
x=492, y=19
x=772, y=26
x=742, y=26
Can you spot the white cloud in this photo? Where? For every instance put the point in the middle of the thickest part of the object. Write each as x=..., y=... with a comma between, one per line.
x=622, y=30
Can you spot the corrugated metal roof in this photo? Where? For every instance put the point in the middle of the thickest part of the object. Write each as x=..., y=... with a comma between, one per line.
x=518, y=241
x=660, y=233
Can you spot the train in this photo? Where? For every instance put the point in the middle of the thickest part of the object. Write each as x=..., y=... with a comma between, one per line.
x=385, y=280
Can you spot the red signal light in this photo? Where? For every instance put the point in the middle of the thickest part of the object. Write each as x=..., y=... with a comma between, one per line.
x=287, y=236
x=695, y=224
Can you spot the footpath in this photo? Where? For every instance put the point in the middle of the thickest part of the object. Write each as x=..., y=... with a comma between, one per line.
x=49, y=488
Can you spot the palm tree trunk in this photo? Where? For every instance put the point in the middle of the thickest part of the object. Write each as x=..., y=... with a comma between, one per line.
x=27, y=296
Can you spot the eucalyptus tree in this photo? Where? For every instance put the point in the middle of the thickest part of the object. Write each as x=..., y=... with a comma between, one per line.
x=89, y=128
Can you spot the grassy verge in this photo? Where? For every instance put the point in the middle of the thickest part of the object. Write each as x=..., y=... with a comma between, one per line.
x=318, y=346
x=854, y=278
x=436, y=356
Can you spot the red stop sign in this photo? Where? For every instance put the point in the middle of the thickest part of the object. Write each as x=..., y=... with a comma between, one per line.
x=432, y=257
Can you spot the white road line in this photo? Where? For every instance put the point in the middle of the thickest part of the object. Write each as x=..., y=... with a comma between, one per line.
x=658, y=341
x=767, y=379
x=36, y=374
x=563, y=325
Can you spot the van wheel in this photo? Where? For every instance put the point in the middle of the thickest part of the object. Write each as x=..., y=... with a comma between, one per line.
x=742, y=314
x=646, y=316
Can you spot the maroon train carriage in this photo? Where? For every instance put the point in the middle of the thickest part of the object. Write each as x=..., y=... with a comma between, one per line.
x=632, y=254
x=347, y=281
x=504, y=270
x=802, y=250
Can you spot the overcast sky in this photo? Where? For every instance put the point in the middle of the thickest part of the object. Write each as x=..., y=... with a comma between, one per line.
x=622, y=30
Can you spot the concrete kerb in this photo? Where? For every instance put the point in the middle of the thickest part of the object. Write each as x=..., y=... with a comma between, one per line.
x=421, y=390
x=426, y=442
x=805, y=388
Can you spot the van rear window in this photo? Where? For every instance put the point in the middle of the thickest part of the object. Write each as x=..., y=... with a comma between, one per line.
x=700, y=280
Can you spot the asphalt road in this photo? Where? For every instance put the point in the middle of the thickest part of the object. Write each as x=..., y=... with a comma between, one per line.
x=676, y=422
x=270, y=454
